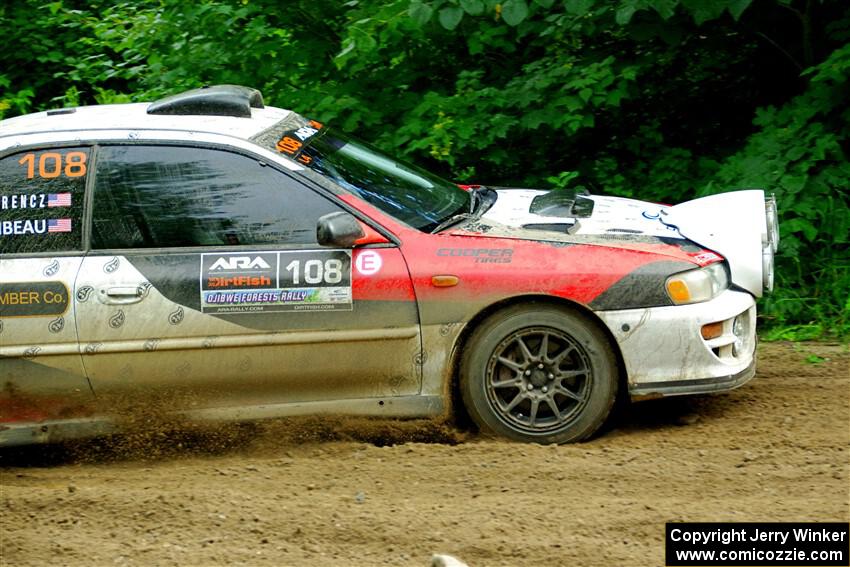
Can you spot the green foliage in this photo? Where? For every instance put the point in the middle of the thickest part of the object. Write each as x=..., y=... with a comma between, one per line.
x=800, y=153
x=563, y=180
x=662, y=100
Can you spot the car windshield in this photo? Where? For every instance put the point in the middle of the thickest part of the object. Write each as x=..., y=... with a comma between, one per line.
x=410, y=194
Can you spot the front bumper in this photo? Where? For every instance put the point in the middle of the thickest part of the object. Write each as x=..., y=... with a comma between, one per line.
x=665, y=354
x=652, y=390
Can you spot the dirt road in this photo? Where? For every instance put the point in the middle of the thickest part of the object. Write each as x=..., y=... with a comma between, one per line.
x=343, y=492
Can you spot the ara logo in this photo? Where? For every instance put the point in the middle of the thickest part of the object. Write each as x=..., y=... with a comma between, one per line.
x=240, y=263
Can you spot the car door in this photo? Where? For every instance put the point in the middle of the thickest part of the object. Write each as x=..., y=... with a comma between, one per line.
x=41, y=212
x=205, y=287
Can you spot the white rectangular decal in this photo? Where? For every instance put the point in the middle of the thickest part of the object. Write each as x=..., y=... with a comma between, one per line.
x=263, y=282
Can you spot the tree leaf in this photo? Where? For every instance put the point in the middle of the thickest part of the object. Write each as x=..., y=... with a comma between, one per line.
x=544, y=3
x=704, y=10
x=578, y=8
x=514, y=12
x=737, y=7
x=810, y=232
x=796, y=152
x=472, y=7
x=348, y=47
x=364, y=40
x=666, y=8
x=419, y=12
x=572, y=103
x=450, y=17
x=624, y=14
x=793, y=183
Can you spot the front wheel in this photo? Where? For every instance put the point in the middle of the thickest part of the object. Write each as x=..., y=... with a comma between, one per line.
x=541, y=374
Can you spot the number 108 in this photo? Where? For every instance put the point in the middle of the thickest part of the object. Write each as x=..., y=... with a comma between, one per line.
x=315, y=271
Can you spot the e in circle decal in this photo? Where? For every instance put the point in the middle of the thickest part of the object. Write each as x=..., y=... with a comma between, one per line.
x=368, y=263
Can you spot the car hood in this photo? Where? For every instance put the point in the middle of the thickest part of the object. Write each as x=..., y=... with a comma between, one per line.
x=733, y=225
x=612, y=216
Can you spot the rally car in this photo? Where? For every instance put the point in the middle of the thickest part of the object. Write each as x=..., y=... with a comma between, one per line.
x=210, y=256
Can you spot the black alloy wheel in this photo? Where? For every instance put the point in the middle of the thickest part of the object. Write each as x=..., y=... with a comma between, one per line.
x=539, y=373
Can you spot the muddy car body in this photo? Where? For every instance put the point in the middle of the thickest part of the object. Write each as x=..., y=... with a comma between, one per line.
x=236, y=262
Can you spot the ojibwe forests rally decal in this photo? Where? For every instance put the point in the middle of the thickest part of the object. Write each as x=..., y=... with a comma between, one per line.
x=264, y=282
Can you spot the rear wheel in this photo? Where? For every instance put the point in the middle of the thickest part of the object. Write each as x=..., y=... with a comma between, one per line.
x=542, y=374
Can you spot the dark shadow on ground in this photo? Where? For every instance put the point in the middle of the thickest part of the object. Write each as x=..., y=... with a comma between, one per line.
x=172, y=440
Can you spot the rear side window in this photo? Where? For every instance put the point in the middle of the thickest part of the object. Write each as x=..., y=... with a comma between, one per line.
x=41, y=200
x=166, y=196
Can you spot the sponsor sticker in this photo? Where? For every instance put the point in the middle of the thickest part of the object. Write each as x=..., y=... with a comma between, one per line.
x=480, y=255
x=33, y=299
x=706, y=258
x=263, y=282
x=59, y=225
x=24, y=227
x=368, y=263
x=58, y=200
x=34, y=201
x=293, y=143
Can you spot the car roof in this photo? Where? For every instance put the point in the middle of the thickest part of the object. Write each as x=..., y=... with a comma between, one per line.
x=135, y=116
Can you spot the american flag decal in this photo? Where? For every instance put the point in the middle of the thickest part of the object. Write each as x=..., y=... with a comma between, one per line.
x=59, y=200
x=59, y=225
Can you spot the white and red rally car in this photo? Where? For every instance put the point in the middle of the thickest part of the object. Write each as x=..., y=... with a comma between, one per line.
x=232, y=261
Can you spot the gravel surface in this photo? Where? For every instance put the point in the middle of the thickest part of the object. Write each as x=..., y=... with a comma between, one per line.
x=359, y=492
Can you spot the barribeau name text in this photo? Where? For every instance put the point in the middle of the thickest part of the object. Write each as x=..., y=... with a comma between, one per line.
x=726, y=536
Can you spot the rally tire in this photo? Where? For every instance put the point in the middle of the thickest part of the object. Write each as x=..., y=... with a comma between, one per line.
x=538, y=373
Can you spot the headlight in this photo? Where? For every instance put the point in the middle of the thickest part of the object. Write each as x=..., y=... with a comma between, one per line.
x=770, y=247
x=699, y=285
x=772, y=222
x=767, y=268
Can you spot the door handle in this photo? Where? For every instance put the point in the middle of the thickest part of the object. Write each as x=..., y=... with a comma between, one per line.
x=124, y=291
x=122, y=294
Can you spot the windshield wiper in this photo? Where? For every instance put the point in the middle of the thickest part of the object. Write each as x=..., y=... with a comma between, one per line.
x=454, y=219
x=475, y=199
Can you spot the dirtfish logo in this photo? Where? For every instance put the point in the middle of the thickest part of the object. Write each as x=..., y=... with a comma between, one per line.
x=240, y=263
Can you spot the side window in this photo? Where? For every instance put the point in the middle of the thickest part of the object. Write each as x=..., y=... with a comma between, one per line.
x=165, y=196
x=41, y=200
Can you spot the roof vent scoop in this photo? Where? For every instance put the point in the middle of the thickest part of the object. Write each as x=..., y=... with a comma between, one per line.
x=218, y=100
